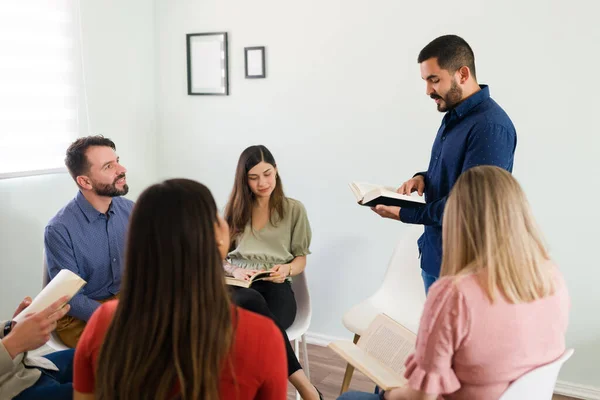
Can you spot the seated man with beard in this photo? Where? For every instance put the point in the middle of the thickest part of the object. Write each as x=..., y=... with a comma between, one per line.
x=87, y=236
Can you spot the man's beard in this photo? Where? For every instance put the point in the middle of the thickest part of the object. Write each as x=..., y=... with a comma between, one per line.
x=451, y=99
x=110, y=190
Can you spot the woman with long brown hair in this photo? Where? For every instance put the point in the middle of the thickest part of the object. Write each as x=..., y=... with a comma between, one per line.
x=174, y=333
x=269, y=231
x=500, y=308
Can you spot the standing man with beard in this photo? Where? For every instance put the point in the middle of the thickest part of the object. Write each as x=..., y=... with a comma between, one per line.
x=88, y=235
x=475, y=131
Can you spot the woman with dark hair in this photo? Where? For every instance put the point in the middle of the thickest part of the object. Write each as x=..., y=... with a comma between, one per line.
x=269, y=231
x=173, y=333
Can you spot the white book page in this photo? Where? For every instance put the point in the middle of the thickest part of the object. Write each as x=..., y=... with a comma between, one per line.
x=366, y=187
x=365, y=192
x=65, y=283
x=390, y=192
x=360, y=189
x=368, y=365
x=388, y=342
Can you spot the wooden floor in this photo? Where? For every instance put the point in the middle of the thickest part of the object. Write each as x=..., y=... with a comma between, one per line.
x=327, y=371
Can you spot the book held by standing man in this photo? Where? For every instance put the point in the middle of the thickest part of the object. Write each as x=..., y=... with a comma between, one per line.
x=368, y=194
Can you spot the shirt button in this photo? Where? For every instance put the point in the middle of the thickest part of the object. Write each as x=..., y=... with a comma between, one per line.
x=114, y=260
x=443, y=137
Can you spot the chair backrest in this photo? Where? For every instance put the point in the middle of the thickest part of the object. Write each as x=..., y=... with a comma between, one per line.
x=303, y=306
x=402, y=294
x=45, y=274
x=537, y=384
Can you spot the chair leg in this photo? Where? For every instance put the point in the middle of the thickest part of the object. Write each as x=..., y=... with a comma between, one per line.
x=297, y=352
x=349, y=371
x=305, y=357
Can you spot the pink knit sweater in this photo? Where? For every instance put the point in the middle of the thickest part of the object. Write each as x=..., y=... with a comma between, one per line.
x=468, y=348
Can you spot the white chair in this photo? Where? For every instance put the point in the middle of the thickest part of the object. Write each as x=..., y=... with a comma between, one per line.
x=296, y=332
x=401, y=296
x=537, y=384
x=54, y=341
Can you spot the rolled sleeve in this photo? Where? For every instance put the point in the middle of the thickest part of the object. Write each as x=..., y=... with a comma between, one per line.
x=430, y=214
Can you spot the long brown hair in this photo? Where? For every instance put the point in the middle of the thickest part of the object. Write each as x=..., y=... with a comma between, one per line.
x=488, y=226
x=173, y=323
x=238, y=211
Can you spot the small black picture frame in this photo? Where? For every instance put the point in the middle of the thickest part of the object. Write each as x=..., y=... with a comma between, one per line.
x=207, y=64
x=254, y=62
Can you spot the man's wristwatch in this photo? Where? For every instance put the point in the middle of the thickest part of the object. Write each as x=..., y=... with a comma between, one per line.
x=290, y=273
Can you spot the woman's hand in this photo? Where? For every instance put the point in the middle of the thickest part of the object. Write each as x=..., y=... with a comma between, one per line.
x=244, y=274
x=24, y=304
x=279, y=273
x=34, y=331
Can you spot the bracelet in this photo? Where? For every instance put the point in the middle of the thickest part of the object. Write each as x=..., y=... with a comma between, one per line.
x=290, y=273
x=7, y=328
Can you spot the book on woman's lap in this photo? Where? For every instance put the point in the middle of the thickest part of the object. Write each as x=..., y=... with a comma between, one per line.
x=259, y=276
x=370, y=195
x=381, y=352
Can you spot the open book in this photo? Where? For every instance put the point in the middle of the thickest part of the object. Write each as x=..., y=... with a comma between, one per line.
x=380, y=353
x=242, y=283
x=65, y=283
x=368, y=194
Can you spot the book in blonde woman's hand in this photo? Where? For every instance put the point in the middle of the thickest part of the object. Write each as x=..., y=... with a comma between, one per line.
x=380, y=353
x=368, y=194
x=65, y=283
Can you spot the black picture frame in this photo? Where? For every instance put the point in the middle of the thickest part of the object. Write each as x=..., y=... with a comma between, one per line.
x=207, y=64
x=250, y=72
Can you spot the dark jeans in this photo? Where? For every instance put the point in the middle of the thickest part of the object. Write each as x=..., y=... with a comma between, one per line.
x=275, y=301
x=53, y=385
x=360, y=396
x=428, y=280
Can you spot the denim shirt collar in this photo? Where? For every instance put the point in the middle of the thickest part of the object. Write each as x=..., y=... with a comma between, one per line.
x=88, y=210
x=469, y=103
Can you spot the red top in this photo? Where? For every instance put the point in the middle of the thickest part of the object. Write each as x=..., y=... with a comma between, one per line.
x=258, y=353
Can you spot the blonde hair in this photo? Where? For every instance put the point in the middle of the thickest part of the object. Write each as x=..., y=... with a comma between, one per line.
x=488, y=226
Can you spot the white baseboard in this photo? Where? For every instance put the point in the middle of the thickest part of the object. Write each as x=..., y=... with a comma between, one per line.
x=576, y=390
x=565, y=388
x=319, y=339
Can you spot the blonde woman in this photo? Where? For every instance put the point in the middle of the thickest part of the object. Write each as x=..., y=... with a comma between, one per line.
x=501, y=307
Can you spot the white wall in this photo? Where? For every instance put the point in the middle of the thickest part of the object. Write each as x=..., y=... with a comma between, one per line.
x=343, y=101
x=119, y=65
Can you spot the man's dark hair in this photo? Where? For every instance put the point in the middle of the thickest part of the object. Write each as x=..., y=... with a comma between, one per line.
x=452, y=52
x=76, y=160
